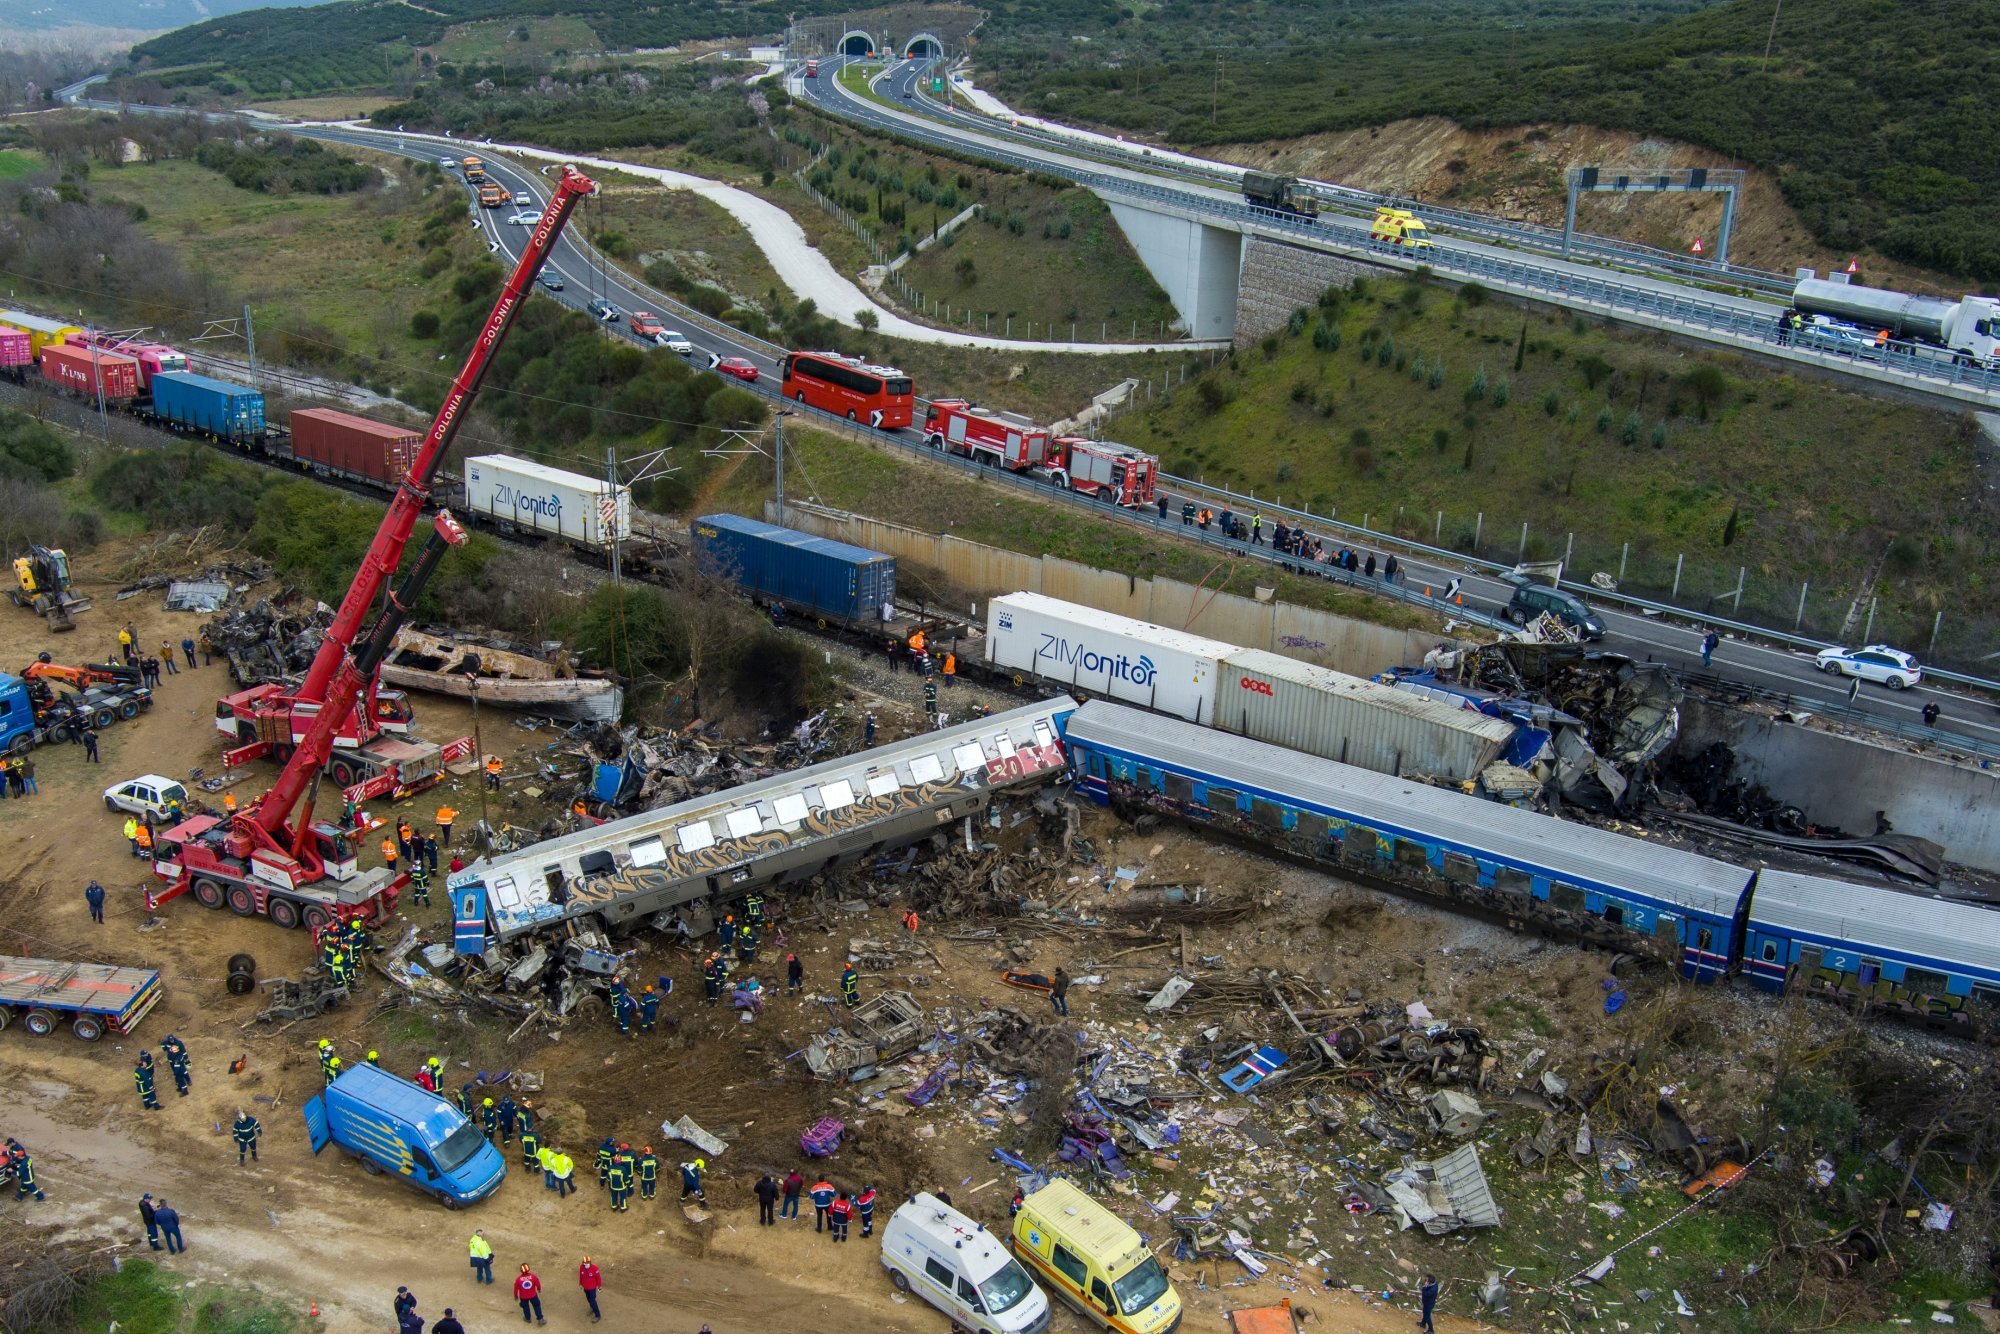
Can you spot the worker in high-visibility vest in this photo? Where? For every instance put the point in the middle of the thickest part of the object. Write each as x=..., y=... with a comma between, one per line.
x=389, y=851
x=132, y=834
x=493, y=772
x=445, y=815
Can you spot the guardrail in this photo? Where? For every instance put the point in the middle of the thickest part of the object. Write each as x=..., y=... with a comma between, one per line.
x=1730, y=691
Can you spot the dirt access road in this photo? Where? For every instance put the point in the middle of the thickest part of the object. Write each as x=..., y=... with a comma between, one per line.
x=316, y=1229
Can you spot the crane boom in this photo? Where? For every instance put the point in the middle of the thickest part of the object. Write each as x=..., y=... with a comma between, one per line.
x=385, y=553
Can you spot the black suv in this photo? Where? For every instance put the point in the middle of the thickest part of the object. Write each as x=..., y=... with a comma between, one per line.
x=1532, y=600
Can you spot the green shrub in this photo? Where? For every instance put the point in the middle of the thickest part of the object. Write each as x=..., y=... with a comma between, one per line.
x=424, y=324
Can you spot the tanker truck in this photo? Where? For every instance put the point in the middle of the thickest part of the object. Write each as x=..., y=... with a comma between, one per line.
x=1968, y=328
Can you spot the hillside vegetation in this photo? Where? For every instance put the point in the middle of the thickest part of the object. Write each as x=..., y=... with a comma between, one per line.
x=1407, y=402
x=1873, y=112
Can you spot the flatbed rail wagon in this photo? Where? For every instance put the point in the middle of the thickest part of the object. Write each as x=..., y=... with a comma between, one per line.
x=94, y=998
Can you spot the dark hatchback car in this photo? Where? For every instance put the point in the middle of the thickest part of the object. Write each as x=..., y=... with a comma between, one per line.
x=1531, y=600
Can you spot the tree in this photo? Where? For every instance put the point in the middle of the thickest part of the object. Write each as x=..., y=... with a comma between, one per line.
x=1729, y=528
x=1707, y=384
x=1521, y=347
x=867, y=319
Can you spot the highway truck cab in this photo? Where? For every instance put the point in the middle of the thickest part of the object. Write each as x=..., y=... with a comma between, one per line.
x=1091, y=1260
x=935, y=1252
x=391, y=1125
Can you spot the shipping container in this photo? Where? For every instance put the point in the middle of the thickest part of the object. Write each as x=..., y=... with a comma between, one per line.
x=153, y=358
x=341, y=444
x=816, y=575
x=16, y=349
x=535, y=498
x=1323, y=712
x=77, y=370
x=216, y=408
x=1105, y=654
x=41, y=332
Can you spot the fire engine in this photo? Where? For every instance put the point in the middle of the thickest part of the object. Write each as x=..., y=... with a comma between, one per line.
x=270, y=856
x=997, y=439
x=1118, y=474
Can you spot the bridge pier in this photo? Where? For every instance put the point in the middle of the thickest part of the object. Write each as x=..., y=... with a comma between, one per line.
x=1199, y=266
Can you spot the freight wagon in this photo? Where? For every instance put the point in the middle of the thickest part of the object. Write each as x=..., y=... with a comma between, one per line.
x=1096, y=651
x=825, y=579
x=83, y=371
x=1323, y=712
x=522, y=497
x=186, y=402
x=93, y=998
x=17, y=352
x=329, y=443
x=41, y=332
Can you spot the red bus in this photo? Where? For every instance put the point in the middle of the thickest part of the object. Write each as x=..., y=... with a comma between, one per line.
x=882, y=396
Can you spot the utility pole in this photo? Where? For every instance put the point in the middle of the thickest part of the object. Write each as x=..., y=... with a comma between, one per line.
x=778, y=433
x=250, y=337
x=479, y=757
x=97, y=380
x=1215, y=103
x=611, y=497
x=1771, y=36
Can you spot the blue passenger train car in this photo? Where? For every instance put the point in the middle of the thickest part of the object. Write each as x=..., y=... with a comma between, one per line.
x=1621, y=892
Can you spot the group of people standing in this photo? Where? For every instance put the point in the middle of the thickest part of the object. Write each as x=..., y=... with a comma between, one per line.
x=1305, y=548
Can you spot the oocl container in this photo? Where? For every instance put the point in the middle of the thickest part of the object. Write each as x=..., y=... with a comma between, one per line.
x=1106, y=654
x=1356, y=721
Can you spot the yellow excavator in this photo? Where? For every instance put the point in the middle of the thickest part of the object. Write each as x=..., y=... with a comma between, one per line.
x=41, y=582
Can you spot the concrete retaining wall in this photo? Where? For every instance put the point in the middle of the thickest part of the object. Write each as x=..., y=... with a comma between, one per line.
x=1278, y=279
x=1343, y=643
x=1843, y=781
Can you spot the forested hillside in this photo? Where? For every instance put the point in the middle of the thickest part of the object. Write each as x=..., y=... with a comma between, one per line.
x=1868, y=109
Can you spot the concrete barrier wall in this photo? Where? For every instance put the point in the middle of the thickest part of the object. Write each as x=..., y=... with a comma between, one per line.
x=1843, y=781
x=1323, y=637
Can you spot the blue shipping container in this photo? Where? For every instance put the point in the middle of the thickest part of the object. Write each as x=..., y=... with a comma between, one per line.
x=197, y=403
x=817, y=574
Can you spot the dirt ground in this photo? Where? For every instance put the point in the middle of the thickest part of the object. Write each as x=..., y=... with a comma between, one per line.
x=317, y=1230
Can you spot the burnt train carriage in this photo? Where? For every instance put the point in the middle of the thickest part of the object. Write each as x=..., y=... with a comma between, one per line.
x=690, y=859
x=1622, y=892
x=1921, y=958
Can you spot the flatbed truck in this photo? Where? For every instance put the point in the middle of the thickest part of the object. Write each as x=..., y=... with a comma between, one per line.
x=93, y=998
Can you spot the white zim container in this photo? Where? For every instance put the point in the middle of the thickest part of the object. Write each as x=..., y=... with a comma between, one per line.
x=1104, y=654
x=535, y=498
x=1354, y=720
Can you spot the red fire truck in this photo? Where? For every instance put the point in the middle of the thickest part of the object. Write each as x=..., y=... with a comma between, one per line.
x=997, y=439
x=1115, y=473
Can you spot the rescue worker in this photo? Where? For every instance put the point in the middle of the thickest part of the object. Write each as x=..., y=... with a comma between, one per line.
x=837, y=1215
x=1014, y=1205
x=864, y=1206
x=465, y=1100
x=436, y=1067
x=795, y=975
x=403, y=835
x=649, y=1173
x=531, y=1148
x=753, y=909
x=850, y=987
x=868, y=732
x=142, y=1075
x=144, y=839
x=910, y=920
x=93, y=897
x=489, y=1118
x=590, y=1280
x=565, y=1169
x=333, y=1070
x=619, y=1178
x=545, y=1158
x=525, y=1115
x=506, y=1113
x=528, y=1292
x=605, y=1152
x=712, y=974
x=389, y=852
x=1257, y=529
x=375, y=1059
x=325, y=1054
x=247, y=1132
x=24, y=1177
x=481, y=1251
x=430, y=852
x=625, y=1010
x=822, y=1197
x=427, y=1079
x=930, y=700
x=950, y=666
x=726, y=933
x=420, y=884
x=445, y=815
x=691, y=1179
x=746, y=945
x=1187, y=514
x=649, y=1010
x=493, y=772
x=132, y=833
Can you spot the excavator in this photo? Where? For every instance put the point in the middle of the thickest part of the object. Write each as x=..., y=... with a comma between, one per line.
x=271, y=857
x=41, y=582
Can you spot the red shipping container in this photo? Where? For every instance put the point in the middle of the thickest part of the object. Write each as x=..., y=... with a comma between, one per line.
x=71, y=368
x=15, y=349
x=353, y=446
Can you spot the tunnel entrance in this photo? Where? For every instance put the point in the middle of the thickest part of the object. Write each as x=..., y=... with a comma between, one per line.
x=923, y=47
x=857, y=44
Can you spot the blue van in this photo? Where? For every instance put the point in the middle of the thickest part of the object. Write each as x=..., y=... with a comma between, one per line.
x=393, y=1125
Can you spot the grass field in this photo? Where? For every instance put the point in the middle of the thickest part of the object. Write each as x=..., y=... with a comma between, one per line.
x=1494, y=416
x=15, y=163
x=698, y=235
x=499, y=39
x=347, y=106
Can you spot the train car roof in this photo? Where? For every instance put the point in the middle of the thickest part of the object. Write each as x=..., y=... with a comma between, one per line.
x=1877, y=919
x=1572, y=852
x=516, y=883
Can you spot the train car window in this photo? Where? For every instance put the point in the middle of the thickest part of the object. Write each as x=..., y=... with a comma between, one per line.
x=923, y=769
x=1004, y=744
x=744, y=822
x=1510, y=881
x=790, y=810
x=1180, y=788
x=1222, y=798
x=1043, y=736
x=1769, y=952
x=881, y=785
x=1870, y=972
x=1310, y=823
x=1267, y=813
x=1614, y=913
x=1923, y=979
x=1567, y=897
x=970, y=757
x=839, y=794
x=648, y=851
x=1360, y=845
x=695, y=836
x=1410, y=853
x=1460, y=869
x=1986, y=995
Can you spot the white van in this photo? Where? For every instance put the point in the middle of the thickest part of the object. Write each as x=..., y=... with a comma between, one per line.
x=956, y=1265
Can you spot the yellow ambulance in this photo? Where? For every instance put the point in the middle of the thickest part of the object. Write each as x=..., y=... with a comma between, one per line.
x=1091, y=1260
x=1400, y=227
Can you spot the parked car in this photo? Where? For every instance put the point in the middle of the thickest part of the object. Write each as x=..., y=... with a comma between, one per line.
x=526, y=219
x=740, y=367
x=523, y=198
x=148, y=795
x=604, y=311
x=1531, y=600
x=551, y=280
x=1877, y=662
x=674, y=341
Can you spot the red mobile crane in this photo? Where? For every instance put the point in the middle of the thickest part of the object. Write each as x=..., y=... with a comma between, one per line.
x=260, y=860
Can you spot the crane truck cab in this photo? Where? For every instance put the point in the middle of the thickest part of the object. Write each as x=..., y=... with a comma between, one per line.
x=394, y=1126
x=1399, y=227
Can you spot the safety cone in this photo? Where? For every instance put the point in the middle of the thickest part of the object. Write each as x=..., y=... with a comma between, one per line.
x=312, y=1310
x=1459, y=600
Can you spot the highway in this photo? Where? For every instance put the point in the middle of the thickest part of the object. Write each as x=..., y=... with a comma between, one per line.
x=586, y=276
